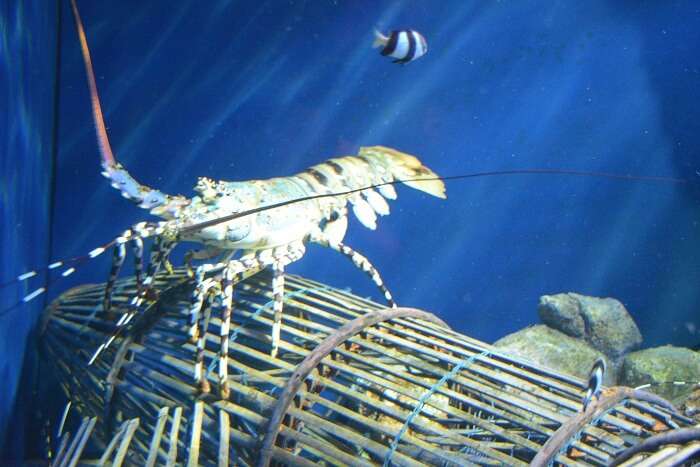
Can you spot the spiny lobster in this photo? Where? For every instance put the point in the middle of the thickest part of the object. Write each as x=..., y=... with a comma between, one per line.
x=269, y=238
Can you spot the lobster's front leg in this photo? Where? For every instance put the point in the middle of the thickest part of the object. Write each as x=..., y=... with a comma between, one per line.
x=160, y=251
x=137, y=247
x=117, y=262
x=134, y=236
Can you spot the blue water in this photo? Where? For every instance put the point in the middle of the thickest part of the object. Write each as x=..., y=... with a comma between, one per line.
x=27, y=84
x=245, y=90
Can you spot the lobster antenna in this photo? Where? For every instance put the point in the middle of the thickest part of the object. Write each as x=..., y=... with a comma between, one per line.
x=74, y=262
x=102, y=138
x=146, y=197
x=238, y=215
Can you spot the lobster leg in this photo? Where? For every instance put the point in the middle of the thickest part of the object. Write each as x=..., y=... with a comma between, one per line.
x=203, y=313
x=137, y=247
x=282, y=257
x=196, y=303
x=277, y=258
x=358, y=260
x=230, y=276
x=160, y=251
x=159, y=257
x=278, y=297
x=135, y=237
x=117, y=262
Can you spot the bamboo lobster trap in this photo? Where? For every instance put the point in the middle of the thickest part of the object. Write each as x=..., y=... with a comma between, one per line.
x=354, y=383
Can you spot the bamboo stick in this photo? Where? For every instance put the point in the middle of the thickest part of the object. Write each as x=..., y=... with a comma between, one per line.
x=366, y=389
x=82, y=441
x=196, y=432
x=224, y=434
x=174, y=431
x=157, y=434
x=125, y=441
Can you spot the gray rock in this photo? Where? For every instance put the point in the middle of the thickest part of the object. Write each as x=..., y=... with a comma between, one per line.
x=603, y=322
x=553, y=349
x=690, y=406
x=563, y=313
x=662, y=365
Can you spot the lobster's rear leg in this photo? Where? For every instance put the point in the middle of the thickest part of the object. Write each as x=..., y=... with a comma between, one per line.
x=358, y=260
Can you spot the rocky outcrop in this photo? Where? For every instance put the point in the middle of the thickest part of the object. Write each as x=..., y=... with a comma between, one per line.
x=604, y=323
x=661, y=366
x=578, y=329
x=690, y=407
x=553, y=349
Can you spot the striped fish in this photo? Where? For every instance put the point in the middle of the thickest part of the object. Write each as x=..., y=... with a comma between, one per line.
x=595, y=381
x=404, y=46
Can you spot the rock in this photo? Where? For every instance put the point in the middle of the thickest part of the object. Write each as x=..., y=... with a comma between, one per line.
x=662, y=365
x=553, y=349
x=690, y=407
x=563, y=313
x=602, y=322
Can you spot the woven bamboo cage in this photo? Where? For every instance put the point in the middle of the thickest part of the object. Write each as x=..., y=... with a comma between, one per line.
x=354, y=383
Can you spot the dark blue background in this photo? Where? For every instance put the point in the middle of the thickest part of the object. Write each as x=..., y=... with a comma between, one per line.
x=243, y=90
x=27, y=84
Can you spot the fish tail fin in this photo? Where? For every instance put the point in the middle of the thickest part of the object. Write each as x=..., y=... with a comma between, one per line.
x=380, y=40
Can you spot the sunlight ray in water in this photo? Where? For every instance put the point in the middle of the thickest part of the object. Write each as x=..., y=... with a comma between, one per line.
x=563, y=229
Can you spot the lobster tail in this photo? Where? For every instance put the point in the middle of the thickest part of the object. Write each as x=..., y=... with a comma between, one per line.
x=406, y=167
x=354, y=179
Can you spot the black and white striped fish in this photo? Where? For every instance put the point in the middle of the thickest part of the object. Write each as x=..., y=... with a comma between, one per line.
x=405, y=45
x=595, y=381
